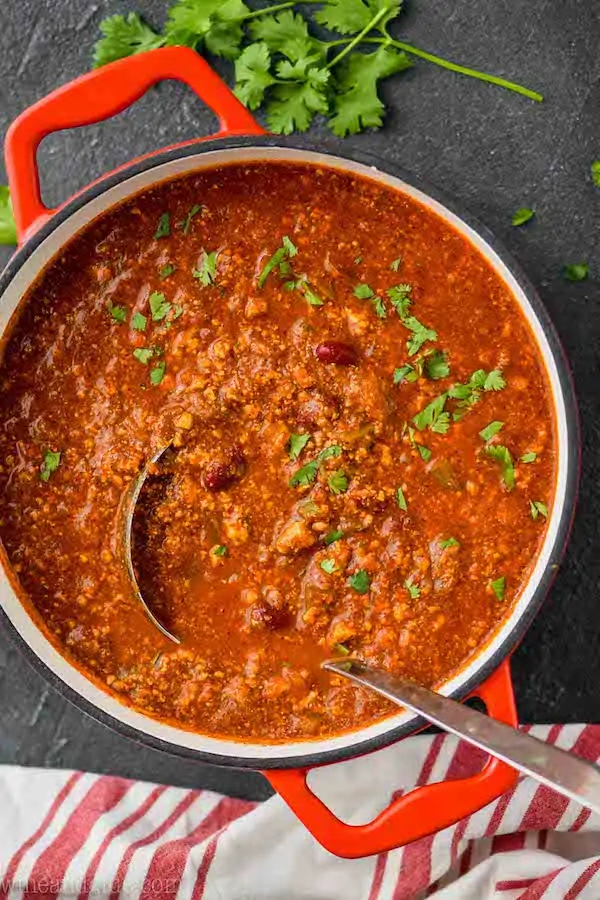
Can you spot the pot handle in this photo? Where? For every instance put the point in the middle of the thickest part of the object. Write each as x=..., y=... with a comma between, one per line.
x=416, y=814
x=100, y=94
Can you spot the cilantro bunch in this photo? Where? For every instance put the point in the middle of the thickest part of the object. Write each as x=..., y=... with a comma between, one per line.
x=290, y=63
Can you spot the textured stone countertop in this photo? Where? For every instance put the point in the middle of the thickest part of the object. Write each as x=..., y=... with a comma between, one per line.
x=493, y=152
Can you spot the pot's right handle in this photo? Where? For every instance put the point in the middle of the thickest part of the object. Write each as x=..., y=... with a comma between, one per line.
x=99, y=95
x=422, y=811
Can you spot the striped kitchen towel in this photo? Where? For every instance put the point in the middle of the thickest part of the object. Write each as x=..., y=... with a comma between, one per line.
x=75, y=835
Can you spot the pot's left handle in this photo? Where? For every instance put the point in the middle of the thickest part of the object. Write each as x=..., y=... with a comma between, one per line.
x=99, y=95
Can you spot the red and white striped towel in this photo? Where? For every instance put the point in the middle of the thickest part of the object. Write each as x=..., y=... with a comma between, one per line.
x=76, y=835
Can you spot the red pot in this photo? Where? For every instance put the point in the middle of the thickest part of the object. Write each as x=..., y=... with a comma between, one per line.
x=42, y=234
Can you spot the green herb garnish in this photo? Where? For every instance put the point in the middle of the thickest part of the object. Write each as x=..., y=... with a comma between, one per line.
x=576, y=271
x=166, y=270
x=308, y=473
x=424, y=452
x=220, y=550
x=436, y=365
x=449, y=542
x=118, y=313
x=400, y=299
x=163, y=229
x=529, y=457
x=158, y=373
x=159, y=307
x=413, y=589
x=595, y=170
x=185, y=225
x=421, y=334
x=332, y=536
x=433, y=416
x=338, y=482
x=360, y=581
x=143, y=354
x=328, y=566
x=287, y=251
x=405, y=373
x=8, y=229
x=401, y=499
x=281, y=63
x=487, y=433
x=499, y=587
x=207, y=272
x=297, y=444
x=138, y=322
x=537, y=508
x=396, y=264
x=522, y=216
x=502, y=455
x=50, y=464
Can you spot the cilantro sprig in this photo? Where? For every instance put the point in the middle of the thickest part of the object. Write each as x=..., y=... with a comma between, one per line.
x=282, y=65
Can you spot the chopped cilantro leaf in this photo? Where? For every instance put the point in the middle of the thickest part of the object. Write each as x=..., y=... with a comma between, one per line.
x=360, y=581
x=400, y=299
x=424, y=452
x=421, y=334
x=290, y=247
x=363, y=292
x=8, y=228
x=123, y=36
x=396, y=264
x=338, y=482
x=332, y=536
x=286, y=251
x=595, y=169
x=379, y=307
x=166, y=270
x=358, y=261
x=449, y=542
x=306, y=475
x=50, y=464
x=522, y=215
x=487, y=433
x=499, y=587
x=158, y=372
x=118, y=313
x=433, y=416
x=138, y=322
x=220, y=550
x=537, y=508
x=401, y=499
x=159, y=307
x=311, y=296
x=341, y=649
x=330, y=452
x=502, y=455
x=207, y=272
x=529, y=457
x=576, y=271
x=494, y=381
x=405, y=373
x=177, y=311
x=413, y=589
x=328, y=565
x=436, y=365
x=185, y=225
x=297, y=444
x=143, y=354
x=163, y=229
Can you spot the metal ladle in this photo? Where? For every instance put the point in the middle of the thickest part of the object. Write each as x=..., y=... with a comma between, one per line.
x=127, y=511
x=562, y=771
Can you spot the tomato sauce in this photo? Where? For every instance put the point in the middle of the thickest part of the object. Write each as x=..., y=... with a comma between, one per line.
x=362, y=448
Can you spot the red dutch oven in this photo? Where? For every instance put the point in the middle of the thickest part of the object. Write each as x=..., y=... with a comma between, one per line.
x=43, y=234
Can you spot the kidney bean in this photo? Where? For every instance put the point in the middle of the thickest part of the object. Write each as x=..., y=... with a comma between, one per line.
x=222, y=473
x=336, y=353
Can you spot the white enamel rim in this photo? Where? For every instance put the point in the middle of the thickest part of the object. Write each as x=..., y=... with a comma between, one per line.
x=226, y=749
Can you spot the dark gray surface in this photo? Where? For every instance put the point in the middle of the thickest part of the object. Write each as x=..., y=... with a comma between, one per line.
x=494, y=152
